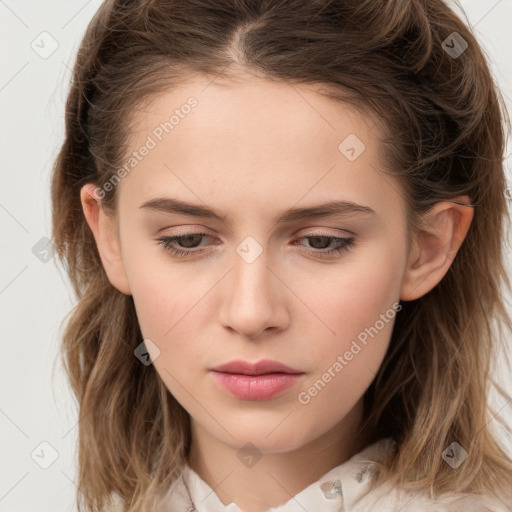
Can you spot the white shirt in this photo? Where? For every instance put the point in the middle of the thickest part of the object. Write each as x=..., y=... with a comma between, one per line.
x=344, y=488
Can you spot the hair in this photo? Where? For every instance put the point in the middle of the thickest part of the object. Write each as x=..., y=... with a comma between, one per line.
x=443, y=135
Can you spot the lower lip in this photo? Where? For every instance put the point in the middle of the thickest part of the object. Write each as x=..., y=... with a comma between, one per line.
x=256, y=387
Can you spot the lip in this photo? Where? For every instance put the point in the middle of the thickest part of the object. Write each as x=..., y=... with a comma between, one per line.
x=258, y=368
x=262, y=380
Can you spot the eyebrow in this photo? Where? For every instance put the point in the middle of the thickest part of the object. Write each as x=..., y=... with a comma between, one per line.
x=331, y=208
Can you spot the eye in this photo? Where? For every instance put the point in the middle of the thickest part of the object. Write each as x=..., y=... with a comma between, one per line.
x=341, y=244
x=189, y=241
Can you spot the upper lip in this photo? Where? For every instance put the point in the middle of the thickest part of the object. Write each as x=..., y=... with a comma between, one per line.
x=256, y=368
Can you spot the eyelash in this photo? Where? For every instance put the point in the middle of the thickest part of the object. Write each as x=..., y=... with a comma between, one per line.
x=345, y=244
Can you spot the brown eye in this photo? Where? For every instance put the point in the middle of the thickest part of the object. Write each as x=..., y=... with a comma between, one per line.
x=319, y=243
x=185, y=245
x=186, y=242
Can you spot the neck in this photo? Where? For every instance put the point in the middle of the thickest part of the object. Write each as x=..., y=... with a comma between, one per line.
x=277, y=476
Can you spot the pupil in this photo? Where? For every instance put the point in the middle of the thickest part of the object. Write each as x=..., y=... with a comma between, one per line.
x=315, y=239
x=189, y=238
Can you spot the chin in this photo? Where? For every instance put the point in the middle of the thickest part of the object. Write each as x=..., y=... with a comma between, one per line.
x=265, y=436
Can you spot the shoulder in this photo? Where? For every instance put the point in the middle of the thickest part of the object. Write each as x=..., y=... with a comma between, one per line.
x=386, y=498
x=176, y=498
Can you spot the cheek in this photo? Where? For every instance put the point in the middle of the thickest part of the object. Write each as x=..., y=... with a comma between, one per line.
x=353, y=298
x=355, y=306
x=154, y=302
x=165, y=293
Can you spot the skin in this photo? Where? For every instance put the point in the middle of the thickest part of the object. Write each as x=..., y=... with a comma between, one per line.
x=252, y=149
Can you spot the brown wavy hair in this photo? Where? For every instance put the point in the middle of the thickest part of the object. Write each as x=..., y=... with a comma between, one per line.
x=444, y=124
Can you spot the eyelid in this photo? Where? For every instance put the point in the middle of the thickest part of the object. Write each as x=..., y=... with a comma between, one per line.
x=344, y=240
x=186, y=230
x=310, y=231
x=320, y=231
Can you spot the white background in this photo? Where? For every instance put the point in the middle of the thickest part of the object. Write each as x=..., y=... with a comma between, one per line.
x=35, y=402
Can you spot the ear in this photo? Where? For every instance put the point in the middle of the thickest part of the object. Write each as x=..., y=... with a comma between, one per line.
x=105, y=233
x=434, y=247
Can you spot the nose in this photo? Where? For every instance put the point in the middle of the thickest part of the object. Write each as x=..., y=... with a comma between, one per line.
x=254, y=299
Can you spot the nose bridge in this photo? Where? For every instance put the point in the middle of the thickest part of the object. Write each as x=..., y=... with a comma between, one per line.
x=251, y=273
x=252, y=299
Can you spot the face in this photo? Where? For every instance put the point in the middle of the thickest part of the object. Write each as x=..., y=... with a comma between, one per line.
x=260, y=281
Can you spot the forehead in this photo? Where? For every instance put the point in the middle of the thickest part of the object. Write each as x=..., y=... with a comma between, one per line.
x=250, y=104
x=255, y=139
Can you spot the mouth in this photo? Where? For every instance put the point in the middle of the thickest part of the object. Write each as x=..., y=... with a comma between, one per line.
x=255, y=381
x=263, y=367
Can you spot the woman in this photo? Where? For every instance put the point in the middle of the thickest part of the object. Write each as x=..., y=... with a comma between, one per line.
x=284, y=223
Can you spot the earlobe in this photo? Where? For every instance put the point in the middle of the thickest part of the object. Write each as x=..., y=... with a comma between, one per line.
x=435, y=246
x=103, y=229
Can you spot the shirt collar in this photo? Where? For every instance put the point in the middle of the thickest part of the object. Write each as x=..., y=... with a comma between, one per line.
x=341, y=487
